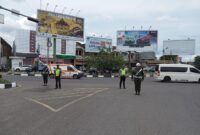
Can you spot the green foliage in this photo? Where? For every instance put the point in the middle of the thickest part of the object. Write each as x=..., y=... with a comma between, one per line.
x=2, y=81
x=105, y=60
x=197, y=61
x=169, y=57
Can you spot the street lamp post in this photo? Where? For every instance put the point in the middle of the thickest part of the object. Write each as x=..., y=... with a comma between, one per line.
x=71, y=11
x=63, y=10
x=55, y=8
x=77, y=12
x=18, y=13
x=150, y=27
x=47, y=6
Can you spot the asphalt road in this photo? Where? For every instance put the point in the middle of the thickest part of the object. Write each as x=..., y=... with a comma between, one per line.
x=96, y=106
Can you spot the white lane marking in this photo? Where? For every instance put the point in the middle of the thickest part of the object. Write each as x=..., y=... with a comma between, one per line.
x=65, y=95
x=43, y=104
x=66, y=105
x=79, y=99
x=59, y=97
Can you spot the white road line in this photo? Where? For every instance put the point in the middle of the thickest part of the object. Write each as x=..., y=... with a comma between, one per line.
x=66, y=105
x=79, y=99
x=66, y=94
x=43, y=104
x=59, y=97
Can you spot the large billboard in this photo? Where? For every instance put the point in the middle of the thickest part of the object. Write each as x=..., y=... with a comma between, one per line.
x=63, y=26
x=95, y=44
x=138, y=40
x=179, y=47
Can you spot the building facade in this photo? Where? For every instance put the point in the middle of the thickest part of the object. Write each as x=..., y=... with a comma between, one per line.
x=5, y=52
x=48, y=50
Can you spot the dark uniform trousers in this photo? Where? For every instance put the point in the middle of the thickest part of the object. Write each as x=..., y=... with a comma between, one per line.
x=122, y=80
x=58, y=83
x=45, y=78
x=137, y=85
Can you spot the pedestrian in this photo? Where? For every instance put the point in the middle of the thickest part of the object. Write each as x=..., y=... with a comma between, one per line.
x=45, y=74
x=138, y=77
x=58, y=73
x=122, y=73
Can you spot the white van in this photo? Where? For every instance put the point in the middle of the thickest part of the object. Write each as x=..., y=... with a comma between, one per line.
x=68, y=71
x=176, y=72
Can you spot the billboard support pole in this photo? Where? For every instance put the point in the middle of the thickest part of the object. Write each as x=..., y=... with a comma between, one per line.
x=48, y=50
x=54, y=49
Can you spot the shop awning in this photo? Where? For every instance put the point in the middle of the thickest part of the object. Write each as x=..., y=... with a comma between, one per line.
x=64, y=56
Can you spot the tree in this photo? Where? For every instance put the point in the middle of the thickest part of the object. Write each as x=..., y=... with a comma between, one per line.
x=169, y=57
x=197, y=62
x=105, y=61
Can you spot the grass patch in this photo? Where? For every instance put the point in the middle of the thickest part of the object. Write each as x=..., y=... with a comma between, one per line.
x=3, y=81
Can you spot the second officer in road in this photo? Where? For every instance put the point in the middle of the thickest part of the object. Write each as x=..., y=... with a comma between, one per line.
x=58, y=73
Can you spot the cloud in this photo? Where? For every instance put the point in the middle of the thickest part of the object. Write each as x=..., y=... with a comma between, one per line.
x=18, y=0
x=167, y=19
x=8, y=30
x=26, y=24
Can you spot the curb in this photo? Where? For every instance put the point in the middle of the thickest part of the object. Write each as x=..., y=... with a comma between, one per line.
x=9, y=85
x=102, y=76
x=36, y=75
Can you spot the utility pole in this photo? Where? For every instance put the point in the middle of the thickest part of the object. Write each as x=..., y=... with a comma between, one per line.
x=49, y=44
x=18, y=13
x=54, y=49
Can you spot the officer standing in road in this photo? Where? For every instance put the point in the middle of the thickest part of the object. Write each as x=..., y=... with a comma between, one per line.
x=45, y=74
x=122, y=73
x=138, y=76
x=58, y=73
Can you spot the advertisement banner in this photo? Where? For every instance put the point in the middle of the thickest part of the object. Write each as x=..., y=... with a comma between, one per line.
x=63, y=26
x=95, y=44
x=138, y=39
x=1, y=19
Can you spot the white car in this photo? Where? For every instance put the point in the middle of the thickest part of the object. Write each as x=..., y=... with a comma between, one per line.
x=176, y=72
x=22, y=68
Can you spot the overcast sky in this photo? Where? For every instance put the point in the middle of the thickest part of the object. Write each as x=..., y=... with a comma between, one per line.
x=174, y=19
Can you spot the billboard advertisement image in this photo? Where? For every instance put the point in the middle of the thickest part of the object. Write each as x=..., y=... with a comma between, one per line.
x=63, y=26
x=138, y=39
x=95, y=44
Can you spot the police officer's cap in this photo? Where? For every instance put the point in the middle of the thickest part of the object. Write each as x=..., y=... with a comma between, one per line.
x=138, y=64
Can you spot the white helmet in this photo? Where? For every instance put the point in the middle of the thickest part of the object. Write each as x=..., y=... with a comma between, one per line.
x=138, y=64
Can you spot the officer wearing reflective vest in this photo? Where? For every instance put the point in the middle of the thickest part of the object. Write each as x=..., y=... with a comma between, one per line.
x=122, y=73
x=57, y=77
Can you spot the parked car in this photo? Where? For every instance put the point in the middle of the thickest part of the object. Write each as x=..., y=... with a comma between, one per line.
x=176, y=72
x=22, y=68
x=149, y=69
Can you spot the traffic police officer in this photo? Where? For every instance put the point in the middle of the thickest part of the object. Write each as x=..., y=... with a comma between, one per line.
x=57, y=77
x=45, y=74
x=122, y=73
x=138, y=76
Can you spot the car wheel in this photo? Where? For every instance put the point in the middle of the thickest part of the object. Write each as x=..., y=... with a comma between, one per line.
x=199, y=80
x=167, y=79
x=75, y=76
x=17, y=70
